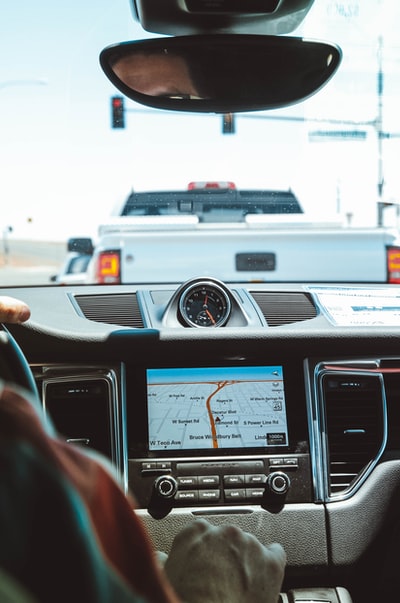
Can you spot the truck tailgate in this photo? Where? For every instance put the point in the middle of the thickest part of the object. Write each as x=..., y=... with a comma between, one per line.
x=313, y=254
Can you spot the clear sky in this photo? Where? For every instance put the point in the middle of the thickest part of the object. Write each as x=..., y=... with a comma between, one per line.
x=63, y=168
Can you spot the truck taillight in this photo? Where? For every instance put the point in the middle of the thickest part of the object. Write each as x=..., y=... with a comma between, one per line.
x=393, y=264
x=108, y=268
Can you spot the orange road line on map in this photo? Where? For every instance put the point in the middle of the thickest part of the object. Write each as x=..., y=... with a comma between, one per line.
x=210, y=415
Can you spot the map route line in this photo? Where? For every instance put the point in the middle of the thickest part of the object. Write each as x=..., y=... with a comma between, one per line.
x=210, y=414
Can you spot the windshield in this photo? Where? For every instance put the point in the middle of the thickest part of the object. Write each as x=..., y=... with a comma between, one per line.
x=318, y=181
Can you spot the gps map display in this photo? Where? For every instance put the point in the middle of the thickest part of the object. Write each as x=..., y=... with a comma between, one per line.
x=210, y=408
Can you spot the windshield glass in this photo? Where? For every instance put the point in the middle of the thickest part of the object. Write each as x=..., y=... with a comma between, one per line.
x=165, y=195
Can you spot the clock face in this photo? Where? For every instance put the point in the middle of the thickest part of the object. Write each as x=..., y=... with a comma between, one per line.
x=205, y=305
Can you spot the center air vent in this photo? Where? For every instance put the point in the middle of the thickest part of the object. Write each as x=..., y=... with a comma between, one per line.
x=117, y=308
x=355, y=416
x=284, y=308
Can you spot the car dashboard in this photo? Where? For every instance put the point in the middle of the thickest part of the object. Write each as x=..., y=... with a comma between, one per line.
x=271, y=406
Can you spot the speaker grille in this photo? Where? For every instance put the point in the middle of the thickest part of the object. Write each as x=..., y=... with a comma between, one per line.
x=284, y=308
x=117, y=308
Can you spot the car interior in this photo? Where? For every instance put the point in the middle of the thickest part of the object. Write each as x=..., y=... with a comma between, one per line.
x=273, y=406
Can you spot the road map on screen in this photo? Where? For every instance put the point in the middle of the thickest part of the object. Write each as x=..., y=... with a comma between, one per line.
x=210, y=408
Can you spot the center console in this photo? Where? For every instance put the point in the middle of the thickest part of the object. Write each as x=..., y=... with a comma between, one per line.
x=218, y=436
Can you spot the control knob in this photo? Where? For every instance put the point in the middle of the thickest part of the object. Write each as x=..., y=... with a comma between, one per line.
x=165, y=486
x=278, y=483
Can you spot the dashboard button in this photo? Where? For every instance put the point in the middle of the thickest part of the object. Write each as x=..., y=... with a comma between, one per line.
x=149, y=466
x=233, y=480
x=209, y=495
x=163, y=465
x=256, y=478
x=235, y=494
x=187, y=481
x=187, y=496
x=291, y=462
x=252, y=493
x=276, y=462
x=208, y=480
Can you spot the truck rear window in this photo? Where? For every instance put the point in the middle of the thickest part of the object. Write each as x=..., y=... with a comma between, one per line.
x=212, y=206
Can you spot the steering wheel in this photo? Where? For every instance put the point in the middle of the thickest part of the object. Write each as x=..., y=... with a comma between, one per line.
x=14, y=367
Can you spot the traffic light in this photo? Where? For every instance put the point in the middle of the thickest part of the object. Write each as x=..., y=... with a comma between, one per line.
x=228, y=123
x=117, y=112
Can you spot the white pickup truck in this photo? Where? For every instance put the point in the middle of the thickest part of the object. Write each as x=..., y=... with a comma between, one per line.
x=236, y=235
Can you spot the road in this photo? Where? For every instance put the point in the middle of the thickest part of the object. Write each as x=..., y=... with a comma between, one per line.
x=24, y=262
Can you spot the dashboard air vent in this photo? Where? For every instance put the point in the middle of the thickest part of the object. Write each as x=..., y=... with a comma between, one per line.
x=355, y=427
x=284, y=308
x=80, y=411
x=116, y=308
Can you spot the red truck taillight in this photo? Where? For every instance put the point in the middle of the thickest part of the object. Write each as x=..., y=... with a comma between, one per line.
x=393, y=264
x=108, y=268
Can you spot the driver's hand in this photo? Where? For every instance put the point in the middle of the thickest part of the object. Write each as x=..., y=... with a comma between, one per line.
x=13, y=310
x=224, y=565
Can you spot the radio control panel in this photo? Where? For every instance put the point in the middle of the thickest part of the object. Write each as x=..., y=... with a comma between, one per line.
x=162, y=484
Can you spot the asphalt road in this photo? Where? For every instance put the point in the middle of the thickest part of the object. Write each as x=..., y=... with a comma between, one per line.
x=30, y=262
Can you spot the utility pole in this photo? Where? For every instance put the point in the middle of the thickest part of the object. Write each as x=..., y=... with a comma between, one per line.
x=380, y=134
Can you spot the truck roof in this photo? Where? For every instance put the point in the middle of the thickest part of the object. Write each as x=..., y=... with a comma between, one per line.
x=212, y=205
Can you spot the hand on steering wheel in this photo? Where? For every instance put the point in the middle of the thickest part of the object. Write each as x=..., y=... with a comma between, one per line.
x=14, y=367
x=13, y=310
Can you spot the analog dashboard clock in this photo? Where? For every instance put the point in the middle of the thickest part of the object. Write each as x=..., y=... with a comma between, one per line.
x=204, y=304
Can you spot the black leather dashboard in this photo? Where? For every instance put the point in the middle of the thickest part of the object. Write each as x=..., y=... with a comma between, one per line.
x=334, y=481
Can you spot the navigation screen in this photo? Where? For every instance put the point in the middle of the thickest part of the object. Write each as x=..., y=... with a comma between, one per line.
x=209, y=408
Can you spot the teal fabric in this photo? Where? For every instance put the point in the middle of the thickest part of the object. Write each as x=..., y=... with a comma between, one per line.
x=46, y=542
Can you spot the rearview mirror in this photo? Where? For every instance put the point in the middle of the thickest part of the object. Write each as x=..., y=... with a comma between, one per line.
x=220, y=73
